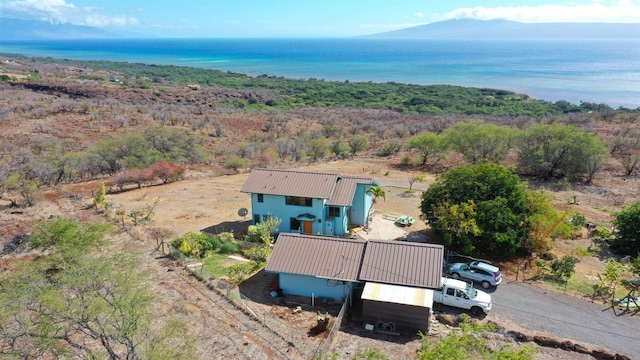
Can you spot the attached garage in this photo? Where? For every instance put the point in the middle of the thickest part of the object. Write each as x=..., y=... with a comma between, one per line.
x=396, y=308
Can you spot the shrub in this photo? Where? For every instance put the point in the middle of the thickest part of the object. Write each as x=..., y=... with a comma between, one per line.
x=563, y=268
x=214, y=241
x=167, y=172
x=228, y=248
x=259, y=254
x=192, y=244
x=239, y=272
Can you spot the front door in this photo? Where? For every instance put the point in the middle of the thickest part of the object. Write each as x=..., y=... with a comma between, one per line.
x=308, y=227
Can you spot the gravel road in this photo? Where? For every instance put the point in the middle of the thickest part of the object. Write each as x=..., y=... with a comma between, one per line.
x=529, y=307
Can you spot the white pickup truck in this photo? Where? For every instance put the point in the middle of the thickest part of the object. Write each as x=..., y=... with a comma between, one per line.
x=460, y=294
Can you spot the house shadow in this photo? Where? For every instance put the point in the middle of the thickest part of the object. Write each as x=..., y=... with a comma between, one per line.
x=236, y=227
x=259, y=286
x=357, y=328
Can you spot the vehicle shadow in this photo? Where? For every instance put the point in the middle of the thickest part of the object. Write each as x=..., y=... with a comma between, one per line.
x=446, y=309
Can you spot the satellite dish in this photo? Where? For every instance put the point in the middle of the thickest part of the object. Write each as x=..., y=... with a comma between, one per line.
x=243, y=212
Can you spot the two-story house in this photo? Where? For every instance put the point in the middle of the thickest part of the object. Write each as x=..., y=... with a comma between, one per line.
x=308, y=202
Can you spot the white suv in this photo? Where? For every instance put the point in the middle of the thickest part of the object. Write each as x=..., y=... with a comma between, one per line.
x=487, y=275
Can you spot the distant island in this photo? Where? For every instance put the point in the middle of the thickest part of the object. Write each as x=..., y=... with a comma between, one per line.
x=18, y=29
x=503, y=29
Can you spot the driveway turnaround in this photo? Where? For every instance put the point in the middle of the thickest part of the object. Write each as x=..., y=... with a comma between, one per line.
x=548, y=312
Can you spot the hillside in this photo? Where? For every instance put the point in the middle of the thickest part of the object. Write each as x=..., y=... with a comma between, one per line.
x=52, y=113
x=503, y=29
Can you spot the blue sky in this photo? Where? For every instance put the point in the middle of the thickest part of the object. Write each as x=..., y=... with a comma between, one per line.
x=303, y=18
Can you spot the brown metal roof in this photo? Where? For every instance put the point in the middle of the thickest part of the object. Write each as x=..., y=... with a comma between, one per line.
x=320, y=256
x=291, y=183
x=346, y=189
x=337, y=189
x=387, y=262
x=402, y=263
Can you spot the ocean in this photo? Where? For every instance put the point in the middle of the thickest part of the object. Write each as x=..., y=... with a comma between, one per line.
x=597, y=71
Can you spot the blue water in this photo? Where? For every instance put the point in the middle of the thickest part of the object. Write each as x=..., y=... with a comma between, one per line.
x=599, y=71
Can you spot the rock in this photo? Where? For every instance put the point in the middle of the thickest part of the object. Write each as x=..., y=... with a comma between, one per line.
x=581, y=349
x=447, y=319
x=547, y=341
x=520, y=336
x=602, y=354
x=622, y=357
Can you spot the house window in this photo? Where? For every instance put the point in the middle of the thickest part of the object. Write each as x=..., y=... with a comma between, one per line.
x=298, y=201
x=334, y=211
x=256, y=219
x=260, y=198
x=295, y=225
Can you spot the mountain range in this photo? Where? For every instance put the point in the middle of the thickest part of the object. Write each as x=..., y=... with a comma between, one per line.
x=18, y=29
x=504, y=29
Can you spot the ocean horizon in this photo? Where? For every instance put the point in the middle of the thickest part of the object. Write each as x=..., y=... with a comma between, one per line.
x=596, y=71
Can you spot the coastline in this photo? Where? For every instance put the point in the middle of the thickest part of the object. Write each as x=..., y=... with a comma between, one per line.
x=550, y=70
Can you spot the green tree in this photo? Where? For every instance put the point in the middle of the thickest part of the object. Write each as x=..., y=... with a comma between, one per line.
x=340, y=150
x=627, y=236
x=317, y=148
x=477, y=141
x=501, y=210
x=236, y=163
x=611, y=278
x=74, y=303
x=564, y=268
x=377, y=192
x=546, y=222
x=358, y=143
x=28, y=189
x=414, y=178
x=550, y=151
x=428, y=144
x=66, y=239
x=265, y=231
x=457, y=224
x=100, y=307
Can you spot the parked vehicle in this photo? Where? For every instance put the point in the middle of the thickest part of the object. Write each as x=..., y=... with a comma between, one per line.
x=404, y=220
x=485, y=274
x=460, y=294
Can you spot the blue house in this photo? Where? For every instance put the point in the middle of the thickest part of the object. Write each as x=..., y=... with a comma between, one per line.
x=308, y=202
x=330, y=268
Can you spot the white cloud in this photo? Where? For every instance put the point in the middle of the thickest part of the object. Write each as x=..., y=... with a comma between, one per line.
x=60, y=11
x=419, y=14
x=388, y=27
x=598, y=11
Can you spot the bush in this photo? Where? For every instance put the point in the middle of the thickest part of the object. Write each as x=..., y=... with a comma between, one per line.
x=167, y=172
x=215, y=242
x=259, y=254
x=192, y=244
x=563, y=268
x=239, y=272
x=228, y=248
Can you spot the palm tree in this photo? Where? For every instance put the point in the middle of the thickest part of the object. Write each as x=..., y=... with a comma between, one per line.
x=376, y=192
